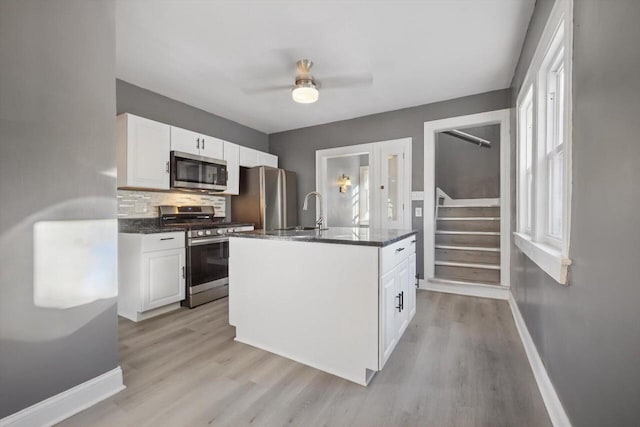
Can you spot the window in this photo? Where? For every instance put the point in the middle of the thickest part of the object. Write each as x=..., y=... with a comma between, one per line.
x=544, y=141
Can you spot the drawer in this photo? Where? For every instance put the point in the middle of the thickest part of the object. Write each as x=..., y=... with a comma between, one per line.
x=162, y=241
x=392, y=255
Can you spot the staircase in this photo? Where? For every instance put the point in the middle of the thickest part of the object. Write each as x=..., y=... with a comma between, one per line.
x=467, y=244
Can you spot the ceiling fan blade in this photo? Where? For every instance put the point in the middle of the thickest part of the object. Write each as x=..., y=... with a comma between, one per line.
x=265, y=89
x=353, y=80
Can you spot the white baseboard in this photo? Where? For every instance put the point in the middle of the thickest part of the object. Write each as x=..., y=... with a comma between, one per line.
x=551, y=400
x=472, y=290
x=63, y=405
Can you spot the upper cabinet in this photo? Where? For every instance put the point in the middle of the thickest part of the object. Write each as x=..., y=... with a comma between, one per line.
x=144, y=151
x=232, y=156
x=250, y=158
x=196, y=143
x=143, y=148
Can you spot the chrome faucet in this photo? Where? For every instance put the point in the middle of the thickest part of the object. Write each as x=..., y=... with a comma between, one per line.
x=305, y=206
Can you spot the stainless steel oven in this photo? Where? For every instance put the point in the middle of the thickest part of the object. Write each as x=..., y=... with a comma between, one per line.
x=208, y=265
x=192, y=171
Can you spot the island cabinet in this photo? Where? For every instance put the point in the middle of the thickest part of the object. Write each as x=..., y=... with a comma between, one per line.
x=151, y=273
x=337, y=300
x=397, y=293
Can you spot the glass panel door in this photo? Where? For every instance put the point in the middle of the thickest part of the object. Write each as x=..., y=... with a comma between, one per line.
x=392, y=182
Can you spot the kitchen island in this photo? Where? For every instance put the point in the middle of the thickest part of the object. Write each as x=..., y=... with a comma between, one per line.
x=338, y=299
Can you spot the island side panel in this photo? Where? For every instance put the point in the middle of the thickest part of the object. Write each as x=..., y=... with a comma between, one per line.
x=316, y=303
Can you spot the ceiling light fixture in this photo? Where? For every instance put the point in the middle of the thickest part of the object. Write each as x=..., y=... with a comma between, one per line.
x=305, y=91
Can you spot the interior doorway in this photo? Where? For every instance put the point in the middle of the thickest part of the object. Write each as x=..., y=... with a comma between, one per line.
x=466, y=204
x=366, y=185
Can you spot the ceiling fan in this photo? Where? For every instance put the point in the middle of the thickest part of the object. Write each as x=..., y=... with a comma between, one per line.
x=306, y=88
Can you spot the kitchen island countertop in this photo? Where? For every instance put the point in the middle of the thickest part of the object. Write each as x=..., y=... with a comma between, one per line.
x=337, y=235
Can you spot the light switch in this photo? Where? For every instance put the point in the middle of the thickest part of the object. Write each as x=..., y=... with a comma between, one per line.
x=418, y=212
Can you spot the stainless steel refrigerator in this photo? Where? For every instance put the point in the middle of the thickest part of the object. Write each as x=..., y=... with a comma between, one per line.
x=268, y=198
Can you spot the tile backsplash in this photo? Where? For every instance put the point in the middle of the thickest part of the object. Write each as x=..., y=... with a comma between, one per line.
x=144, y=204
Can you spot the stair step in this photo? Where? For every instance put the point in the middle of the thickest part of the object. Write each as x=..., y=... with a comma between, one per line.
x=484, y=239
x=468, y=272
x=469, y=224
x=445, y=211
x=464, y=282
x=468, y=265
x=467, y=254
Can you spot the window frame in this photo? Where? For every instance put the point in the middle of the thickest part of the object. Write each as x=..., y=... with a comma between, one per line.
x=553, y=53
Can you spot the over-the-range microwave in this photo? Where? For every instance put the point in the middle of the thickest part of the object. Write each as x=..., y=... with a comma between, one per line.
x=196, y=172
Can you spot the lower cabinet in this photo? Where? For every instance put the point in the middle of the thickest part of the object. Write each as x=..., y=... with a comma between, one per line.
x=397, y=295
x=163, y=278
x=151, y=273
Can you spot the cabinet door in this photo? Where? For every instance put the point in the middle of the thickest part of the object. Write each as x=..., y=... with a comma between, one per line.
x=266, y=159
x=185, y=140
x=163, y=278
x=211, y=147
x=147, y=159
x=402, y=280
x=232, y=156
x=410, y=299
x=388, y=315
x=248, y=157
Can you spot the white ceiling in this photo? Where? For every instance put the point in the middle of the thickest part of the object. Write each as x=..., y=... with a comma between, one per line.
x=209, y=53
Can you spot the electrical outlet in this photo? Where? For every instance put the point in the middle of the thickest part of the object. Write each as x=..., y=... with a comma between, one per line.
x=418, y=212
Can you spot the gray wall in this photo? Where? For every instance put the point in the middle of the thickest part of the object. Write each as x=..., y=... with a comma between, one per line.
x=296, y=148
x=465, y=170
x=588, y=333
x=57, y=103
x=340, y=209
x=142, y=102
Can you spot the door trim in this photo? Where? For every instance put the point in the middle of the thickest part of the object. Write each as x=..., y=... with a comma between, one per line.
x=431, y=128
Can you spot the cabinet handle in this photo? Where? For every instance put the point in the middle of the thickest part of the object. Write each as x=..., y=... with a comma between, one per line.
x=203, y=143
x=413, y=242
x=198, y=143
x=399, y=306
x=167, y=238
x=167, y=167
x=183, y=275
x=402, y=301
x=399, y=249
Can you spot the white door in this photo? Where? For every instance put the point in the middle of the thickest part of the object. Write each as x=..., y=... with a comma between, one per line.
x=388, y=316
x=232, y=156
x=211, y=147
x=163, y=278
x=395, y=185
x=410, y=298
x=185, y=141
x=148, y=153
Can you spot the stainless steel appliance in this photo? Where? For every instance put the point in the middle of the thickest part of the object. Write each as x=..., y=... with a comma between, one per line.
x=207, y=271
x=267, y=198
x=197, y=172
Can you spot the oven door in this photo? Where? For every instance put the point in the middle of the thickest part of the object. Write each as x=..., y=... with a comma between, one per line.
x=198, y=172
x=208, y=263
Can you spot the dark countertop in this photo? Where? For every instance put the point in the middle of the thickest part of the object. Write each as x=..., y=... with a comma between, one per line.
x=143, y=226
x=340, y=235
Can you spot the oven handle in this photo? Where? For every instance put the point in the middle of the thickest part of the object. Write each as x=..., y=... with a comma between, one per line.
x=200, y=242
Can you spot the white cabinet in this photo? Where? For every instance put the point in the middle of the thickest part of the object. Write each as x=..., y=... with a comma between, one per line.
x=196, y=143
x=232, y=156
x=266, y=159
x=163, y=278
x=397, y=293
x=250, y=158
x=151, y=273
x=142, y=149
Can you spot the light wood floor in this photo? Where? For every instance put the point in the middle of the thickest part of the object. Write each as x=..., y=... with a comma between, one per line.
x=460, y=363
